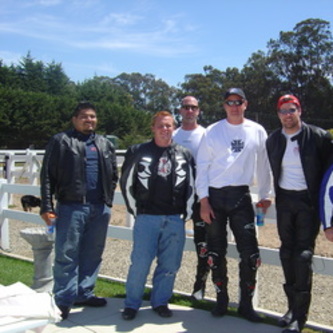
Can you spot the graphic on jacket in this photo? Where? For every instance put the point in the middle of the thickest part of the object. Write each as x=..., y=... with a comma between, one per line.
x=144, y=171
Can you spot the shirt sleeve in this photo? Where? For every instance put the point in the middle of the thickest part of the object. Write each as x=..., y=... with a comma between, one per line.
x=264, y=177
x=203, y=162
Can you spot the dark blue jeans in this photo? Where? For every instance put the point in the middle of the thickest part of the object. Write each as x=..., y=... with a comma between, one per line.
x=80, y=239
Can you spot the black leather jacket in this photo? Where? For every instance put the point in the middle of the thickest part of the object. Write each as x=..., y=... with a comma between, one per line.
x=139, y=172
x=316, y=152
x=63, y=170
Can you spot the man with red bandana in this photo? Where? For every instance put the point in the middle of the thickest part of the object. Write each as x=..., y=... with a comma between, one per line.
x=299, y=155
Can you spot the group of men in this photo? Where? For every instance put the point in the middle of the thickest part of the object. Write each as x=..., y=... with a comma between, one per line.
x=180, y=174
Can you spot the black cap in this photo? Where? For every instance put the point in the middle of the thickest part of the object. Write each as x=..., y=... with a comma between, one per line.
x=234, y=91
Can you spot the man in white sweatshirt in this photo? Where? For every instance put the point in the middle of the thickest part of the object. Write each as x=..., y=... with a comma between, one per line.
x=231, y=151
x=189, y=135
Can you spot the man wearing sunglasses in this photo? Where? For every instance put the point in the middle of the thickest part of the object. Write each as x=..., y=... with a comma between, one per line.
x=231, y=151
x=189, y=135
x=299, y=154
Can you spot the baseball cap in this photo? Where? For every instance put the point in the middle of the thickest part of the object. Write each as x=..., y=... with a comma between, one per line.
x=288, y=99
x=234, y=91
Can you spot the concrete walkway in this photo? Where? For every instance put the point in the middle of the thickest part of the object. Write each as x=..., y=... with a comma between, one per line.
x=185, y=319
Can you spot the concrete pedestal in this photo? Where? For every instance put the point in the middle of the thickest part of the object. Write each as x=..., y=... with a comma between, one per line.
x=42, y=247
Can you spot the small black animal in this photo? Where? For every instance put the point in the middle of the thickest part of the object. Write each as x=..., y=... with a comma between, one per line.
x=29, y=201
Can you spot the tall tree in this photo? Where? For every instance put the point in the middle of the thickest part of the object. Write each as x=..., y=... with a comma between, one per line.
x=31, y=74
x=303, y=60
x=148, y=93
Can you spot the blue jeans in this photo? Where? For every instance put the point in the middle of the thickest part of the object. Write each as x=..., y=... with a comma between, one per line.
x=80, y=239
x=161, y=236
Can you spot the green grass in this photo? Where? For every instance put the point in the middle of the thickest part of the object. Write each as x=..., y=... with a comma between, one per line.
x=14, y=270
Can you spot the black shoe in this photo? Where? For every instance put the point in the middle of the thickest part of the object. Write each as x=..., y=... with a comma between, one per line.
x=249, y=314
x=285, y=320
x=163, y=311
x=92, y=301
x=64, y=311
x=129, y=314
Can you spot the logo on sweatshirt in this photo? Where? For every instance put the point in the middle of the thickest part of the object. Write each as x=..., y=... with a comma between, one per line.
x=237, y=146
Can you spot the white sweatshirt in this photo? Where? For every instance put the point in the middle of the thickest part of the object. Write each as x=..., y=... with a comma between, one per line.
x=230, y=155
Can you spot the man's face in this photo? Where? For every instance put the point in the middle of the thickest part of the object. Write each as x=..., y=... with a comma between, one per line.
x=235, y=111
x=86, y=121
x=189, y=110
x=290, y=116
x=162, y=130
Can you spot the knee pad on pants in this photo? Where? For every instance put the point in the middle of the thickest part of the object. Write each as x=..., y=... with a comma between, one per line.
x=213, y=260
x=254, y=261
x=202, y=249
x=305, y=256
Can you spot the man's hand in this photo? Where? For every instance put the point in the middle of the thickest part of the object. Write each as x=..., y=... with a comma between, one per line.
x=206, y=211
x=47, y=217
x=266, y=203
x=329, y=234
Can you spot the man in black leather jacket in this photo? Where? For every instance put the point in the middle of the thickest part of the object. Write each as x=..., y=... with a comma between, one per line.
x=80, y=171
x=157, y=182
x=299, y=155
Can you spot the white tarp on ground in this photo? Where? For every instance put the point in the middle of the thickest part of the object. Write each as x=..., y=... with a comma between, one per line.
x=21, y=305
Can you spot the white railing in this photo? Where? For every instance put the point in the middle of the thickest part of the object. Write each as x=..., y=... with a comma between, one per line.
x=17, y=164
x=321, y=265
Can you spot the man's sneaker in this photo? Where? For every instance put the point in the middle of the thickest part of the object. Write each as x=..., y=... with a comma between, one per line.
x=64, y=311
x=163, y=311
x=92, y=301
x=129, y=314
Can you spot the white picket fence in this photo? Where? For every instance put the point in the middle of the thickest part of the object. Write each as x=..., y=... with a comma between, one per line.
x=321, y=265
x=26, y=164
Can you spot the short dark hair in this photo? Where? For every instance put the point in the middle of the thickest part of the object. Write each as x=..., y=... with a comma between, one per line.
x=83, y=106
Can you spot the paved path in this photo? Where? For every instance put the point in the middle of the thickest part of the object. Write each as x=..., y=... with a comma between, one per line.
x=185, y=319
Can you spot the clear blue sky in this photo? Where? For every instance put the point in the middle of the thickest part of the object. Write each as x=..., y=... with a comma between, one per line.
x=166, y=38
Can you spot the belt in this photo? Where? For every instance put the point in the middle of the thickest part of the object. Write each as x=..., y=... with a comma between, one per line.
x=293, y=192
x=235, y=188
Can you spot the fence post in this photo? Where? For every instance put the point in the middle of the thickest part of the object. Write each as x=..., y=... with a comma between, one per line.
x=129, y=220
x=32, y=166
x=4, y=230
x=10, y=169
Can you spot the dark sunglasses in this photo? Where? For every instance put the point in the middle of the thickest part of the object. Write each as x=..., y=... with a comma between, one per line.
x=288, y=111
x=237, y=102
x=189, y=107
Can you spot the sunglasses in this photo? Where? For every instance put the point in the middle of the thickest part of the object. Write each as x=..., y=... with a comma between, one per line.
x=189, y=107
x=237, y=102
x=287, y=111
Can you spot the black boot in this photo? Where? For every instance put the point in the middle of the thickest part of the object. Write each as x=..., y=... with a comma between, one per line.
x=200, y=281
x=285, y=320
x=222, y=300
x=247, y=311
x=300, y=312
x=245, y=308
x=198, y=290
x=202, y=266
x=293, y=327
